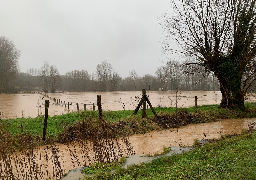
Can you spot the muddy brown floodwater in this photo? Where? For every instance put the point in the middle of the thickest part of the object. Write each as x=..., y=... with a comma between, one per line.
x=79, y=154
x=32, y=105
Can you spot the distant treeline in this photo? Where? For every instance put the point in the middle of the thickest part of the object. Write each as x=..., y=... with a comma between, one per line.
x=171, y=76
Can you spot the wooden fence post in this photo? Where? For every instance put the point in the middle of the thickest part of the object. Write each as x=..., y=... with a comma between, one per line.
x=196, y=103
x=93, y=107
x=85, y=107
x=142, y=102
x=144, y=114
x=45, y=118
x=21, y=127
x=177, y=103
x=151, y=107
x=77, y=106
x=99, y=106
x=68, y=105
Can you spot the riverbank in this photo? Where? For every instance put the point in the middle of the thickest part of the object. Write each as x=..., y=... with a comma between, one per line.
x=74, y=126
x=73, y=149
x=231, y=157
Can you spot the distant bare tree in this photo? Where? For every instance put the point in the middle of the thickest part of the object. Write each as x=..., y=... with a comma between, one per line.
x=50, y=78
x=134, y=78
x=149, y=82
x=104, y=73
x=115, y=81
x=44, y=74
x=54, y=78
x=8, y=65
x=78, y=80
x=161, y=77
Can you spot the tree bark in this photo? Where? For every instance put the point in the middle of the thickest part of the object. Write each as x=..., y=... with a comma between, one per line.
x=224, y=100
x=231, y=97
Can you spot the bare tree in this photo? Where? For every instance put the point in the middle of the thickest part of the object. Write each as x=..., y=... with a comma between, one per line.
x=50, y=78
x=77, y=80
x=220, y=35
x=134, y=78
x=106, y=77
x=115, y=81
x=161, y=77
x=54, y=79
x=8, y=65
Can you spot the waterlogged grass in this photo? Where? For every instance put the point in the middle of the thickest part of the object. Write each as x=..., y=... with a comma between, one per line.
x=228, y=158
x=104, y=167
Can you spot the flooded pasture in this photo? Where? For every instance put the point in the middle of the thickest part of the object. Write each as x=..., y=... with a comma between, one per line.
x=32, y=105
x=54, y=160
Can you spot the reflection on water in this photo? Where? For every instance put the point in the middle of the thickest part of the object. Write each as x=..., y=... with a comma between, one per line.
x=79, y=154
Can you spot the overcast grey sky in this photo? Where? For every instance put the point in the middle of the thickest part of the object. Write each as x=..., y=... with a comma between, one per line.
x=79, y=34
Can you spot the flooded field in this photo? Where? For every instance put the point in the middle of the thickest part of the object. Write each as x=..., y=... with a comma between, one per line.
x=54, y=160
x=32, y=105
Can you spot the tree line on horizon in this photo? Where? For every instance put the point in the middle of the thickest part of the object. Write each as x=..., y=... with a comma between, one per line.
x=172, y=76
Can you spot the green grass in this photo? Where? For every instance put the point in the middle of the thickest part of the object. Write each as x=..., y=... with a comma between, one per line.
x=58, y=123
x=104, y=167
x=228, y=158
x=34, y=126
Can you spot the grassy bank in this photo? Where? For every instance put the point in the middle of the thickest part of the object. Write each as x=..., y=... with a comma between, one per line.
x=228, y=158
x=58, y=123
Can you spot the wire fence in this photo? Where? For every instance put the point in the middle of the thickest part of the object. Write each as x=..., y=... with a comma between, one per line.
x=32, y=105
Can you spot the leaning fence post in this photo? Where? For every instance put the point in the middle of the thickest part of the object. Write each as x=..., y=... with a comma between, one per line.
x=143, y=101
x=99, y=106
x=144, y=114
x=196, y=103
x=45, y=119
x=151, y=107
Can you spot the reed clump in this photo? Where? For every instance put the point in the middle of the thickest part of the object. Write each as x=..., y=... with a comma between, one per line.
x=20, y=158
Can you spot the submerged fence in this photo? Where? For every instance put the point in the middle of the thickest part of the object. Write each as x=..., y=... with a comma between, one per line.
x=144, y=99
x=26, y=105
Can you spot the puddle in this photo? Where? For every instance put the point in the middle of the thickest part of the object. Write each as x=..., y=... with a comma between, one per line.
x=137, y=159
x=74, y=174
x=57, y=159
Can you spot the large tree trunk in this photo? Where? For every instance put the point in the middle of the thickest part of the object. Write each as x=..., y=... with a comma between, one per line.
x=232, y=97
x=224, y=100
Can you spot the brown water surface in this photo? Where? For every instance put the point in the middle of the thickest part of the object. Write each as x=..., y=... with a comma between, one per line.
x=79, y=154
x=32, y=105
